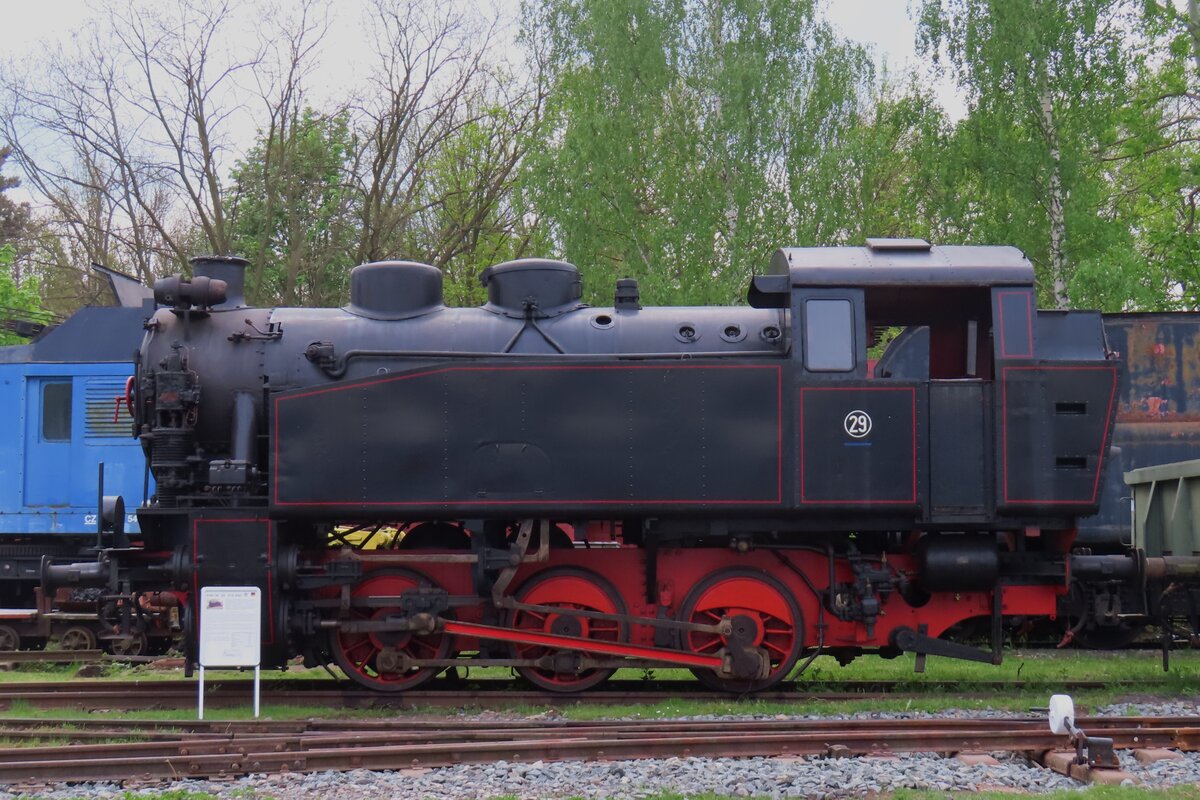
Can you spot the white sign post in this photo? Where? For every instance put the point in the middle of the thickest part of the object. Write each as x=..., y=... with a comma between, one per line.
x=230, y=632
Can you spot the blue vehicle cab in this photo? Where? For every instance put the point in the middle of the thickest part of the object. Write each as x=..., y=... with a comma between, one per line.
x=64, y=413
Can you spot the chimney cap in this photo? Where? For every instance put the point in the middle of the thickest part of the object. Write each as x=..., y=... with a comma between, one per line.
x=234, y=260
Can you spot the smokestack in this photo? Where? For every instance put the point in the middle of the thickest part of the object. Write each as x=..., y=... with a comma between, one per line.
x=232, y=270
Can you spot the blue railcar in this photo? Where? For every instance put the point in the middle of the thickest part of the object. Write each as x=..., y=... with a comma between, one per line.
x=63, y=411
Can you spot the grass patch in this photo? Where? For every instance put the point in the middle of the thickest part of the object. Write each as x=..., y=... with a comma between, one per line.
x=115, y=670
x=1037, y=666
x=945, y=684
x=1023, y=666
x=1018, y=702
x=235, y=713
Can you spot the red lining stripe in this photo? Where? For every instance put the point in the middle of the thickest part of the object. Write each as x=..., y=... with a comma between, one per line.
x=1103, y=443
x=778, y=500
x=913, y=392
x=196, y=573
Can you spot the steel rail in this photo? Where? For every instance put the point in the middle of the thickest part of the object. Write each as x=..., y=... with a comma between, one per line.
x=164, y=743
x=49, y=656
x=175, y=694
x=234, y=728
x=410, y=748
x=502, y=685
x=185, y=697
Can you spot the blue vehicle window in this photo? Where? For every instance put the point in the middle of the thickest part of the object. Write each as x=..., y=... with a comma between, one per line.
x=56, y=412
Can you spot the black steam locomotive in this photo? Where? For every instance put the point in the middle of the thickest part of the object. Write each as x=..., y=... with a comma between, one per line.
x=566, y=489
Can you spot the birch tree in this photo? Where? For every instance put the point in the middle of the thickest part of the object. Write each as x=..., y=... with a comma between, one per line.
x=684, y=140
x=1050, y=85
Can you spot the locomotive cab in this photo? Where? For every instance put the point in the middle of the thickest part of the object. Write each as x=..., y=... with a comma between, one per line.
x=980, y=412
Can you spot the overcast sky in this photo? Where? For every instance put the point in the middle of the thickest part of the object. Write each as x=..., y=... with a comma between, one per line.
x=882, y=25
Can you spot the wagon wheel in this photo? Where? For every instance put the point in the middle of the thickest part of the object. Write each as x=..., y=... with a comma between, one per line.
x=567, y=588
x=9, y=638
x=135, y=644
x=77, y=637
x=365, y=656
x=764, y=614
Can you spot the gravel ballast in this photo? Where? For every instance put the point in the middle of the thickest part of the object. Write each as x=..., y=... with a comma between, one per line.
x=750, y=777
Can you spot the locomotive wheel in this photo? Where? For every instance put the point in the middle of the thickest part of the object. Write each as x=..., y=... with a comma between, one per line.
x=359, y=654
x=77, y=637
x=761, y=607
x=9, y=638
x=135, y=644
x=567, y=588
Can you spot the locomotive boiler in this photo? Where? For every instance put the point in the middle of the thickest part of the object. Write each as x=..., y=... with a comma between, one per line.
x=566, y=490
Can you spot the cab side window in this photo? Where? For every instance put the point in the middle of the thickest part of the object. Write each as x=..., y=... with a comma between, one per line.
x=828, y=336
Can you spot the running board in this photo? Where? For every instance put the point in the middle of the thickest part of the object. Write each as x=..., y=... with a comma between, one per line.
x=580, y=644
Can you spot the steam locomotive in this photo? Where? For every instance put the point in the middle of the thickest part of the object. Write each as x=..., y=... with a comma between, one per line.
x=567, y=490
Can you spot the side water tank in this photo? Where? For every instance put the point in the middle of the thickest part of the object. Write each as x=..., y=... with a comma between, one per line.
x=395, y=290
x=548, y=288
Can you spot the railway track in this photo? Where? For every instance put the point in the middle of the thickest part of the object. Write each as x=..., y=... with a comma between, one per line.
x=50, y=656
x=15, y=657
x=181, y=694
x=218, y=750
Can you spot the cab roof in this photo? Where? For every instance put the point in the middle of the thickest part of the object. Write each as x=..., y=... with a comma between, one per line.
x=891, y=263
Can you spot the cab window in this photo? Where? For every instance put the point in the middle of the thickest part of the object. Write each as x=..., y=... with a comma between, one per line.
x=828, y=336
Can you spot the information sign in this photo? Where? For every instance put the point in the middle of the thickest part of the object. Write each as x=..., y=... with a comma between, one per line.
x=230, y=632
x=230, y=626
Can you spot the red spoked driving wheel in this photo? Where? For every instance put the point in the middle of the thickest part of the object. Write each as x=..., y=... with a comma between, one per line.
x=764, y=615
x=374, y=659
x=567, y=589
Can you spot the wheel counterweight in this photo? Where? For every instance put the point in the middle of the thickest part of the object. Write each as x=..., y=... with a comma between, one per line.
x=567, y=589
x=375, y=658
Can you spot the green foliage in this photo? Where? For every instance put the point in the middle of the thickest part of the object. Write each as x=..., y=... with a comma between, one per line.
x=893, y=162
x=684, y=141
x=1069, y=150
x=675, y=141
x=19, y=299
x=291, y=212
x=473, y=217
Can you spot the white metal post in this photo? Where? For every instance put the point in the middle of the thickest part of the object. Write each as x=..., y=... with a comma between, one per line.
x=200, y=700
